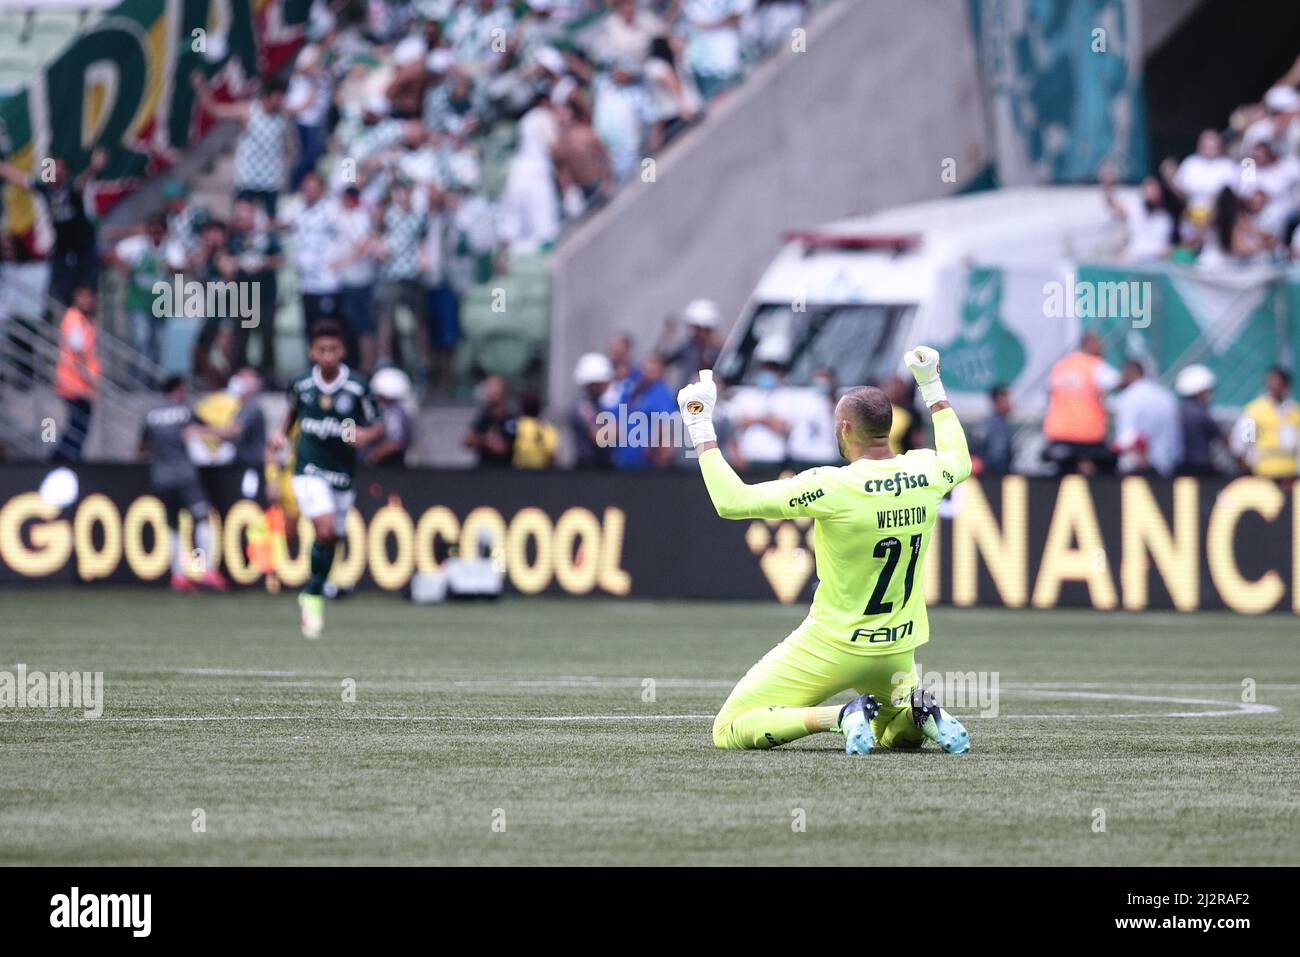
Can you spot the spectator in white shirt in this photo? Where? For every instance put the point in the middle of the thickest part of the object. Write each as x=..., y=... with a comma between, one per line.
x=1149, y=224
x=620, y=112
x=1277, y=179
x=530, y=204
x=308, y=101
x=674, y=100
x=1148, y=430
x=356, y=264
x=443, y=309
x=713, y=48
x=760, y=412
x=1200, y=176
x=626, y=33
x=315, y=238
x=1279, y=126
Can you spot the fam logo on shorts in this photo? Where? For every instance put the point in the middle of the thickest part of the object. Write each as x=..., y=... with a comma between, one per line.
x=883, y=636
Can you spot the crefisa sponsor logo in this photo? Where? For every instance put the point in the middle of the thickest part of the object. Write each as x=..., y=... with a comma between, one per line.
x=808, y=497
x=75, y=909
x=899, y=483
x=21, y=688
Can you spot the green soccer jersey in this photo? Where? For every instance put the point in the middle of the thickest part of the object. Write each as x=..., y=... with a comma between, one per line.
x=328, y=416
x=872, y=524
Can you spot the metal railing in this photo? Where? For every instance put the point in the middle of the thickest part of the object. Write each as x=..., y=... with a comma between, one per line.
x=29, y=356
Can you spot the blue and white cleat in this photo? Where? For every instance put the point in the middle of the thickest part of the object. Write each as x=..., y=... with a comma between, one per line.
x=938, y=725
x=855, y=722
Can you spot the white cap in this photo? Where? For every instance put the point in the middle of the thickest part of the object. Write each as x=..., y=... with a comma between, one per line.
x=701, y=312
x=1282, y=99
x=1193, y=380
x=592, y=368
x=773, y=349
x=551, y=60
x=410, y=50
x=440, y=60
x=390, y=383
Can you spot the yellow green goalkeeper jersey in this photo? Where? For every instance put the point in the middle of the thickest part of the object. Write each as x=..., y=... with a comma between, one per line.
x=873, y=519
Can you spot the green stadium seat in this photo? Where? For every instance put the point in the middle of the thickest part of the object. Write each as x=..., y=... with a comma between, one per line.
x=505, y=354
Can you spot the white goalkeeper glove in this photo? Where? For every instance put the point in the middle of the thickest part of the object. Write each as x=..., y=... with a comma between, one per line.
x=924, y=363
x=696, y=402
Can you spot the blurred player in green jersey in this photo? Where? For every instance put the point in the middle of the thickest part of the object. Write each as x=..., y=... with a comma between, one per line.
x=873, y=519
x=335, y=413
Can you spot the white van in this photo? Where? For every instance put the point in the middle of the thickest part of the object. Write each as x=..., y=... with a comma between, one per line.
x=854, y=294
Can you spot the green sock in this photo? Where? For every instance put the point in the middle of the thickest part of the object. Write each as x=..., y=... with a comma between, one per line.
x=322, y=557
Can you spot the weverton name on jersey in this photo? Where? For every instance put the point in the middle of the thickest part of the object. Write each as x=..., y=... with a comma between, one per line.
x=894, y=517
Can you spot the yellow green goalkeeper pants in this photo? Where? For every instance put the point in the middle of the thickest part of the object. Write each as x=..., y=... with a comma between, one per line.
x=775, y=702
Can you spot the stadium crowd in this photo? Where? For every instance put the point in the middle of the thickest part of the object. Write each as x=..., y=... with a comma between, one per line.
x=414, y=150
x=419, y=148
x=1234, y=201
x=1099, y=420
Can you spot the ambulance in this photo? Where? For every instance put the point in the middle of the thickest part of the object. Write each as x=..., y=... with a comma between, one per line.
x=851, y=295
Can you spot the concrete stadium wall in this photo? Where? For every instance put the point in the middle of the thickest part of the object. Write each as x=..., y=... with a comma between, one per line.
x=860, y=121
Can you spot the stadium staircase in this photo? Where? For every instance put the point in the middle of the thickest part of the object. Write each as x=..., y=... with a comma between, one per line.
x=29, y=354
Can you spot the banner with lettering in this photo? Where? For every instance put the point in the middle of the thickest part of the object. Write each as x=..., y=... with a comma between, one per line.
x=123, y=84
x=1016, y=542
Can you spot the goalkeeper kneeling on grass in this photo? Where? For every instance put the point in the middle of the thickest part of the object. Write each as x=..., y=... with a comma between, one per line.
x=873, y=520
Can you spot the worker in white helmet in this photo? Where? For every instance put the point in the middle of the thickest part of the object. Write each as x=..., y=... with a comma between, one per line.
x=701, y=345
x=1195, y=385
x=592, y=375
x=391, y=388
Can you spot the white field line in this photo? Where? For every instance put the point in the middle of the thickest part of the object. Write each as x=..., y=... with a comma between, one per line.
x=1218, y=709
x=609, y=681
x=425, y=718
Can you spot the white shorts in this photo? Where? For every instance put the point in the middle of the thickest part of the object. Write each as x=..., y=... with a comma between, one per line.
x=316, y=497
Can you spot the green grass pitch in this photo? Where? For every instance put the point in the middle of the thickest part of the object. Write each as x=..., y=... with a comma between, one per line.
x=517, y=733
